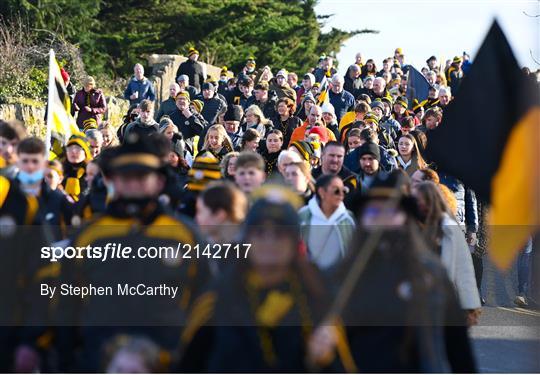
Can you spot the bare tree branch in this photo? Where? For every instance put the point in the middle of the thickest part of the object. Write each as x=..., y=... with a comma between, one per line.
x=529, y=15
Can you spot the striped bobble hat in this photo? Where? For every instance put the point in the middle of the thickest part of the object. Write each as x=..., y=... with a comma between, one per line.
x=80, y=140
x=204, y=170
x=370, y=117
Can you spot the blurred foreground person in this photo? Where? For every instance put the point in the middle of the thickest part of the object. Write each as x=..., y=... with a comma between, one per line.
x=133, y=219
x=413, y=321
x=258, y=315
x=446, y=239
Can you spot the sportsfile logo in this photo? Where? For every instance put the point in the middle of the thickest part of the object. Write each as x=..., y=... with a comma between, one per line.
x=119, y=251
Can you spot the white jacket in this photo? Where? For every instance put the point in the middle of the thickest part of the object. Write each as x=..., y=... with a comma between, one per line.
x=456, y=258
x=327, y=239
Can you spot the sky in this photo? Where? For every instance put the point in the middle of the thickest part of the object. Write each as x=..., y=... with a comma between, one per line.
x=423, y=28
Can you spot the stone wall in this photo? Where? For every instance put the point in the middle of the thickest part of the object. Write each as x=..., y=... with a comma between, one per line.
x=164, y=69
x=33, y=116
x=163, y=73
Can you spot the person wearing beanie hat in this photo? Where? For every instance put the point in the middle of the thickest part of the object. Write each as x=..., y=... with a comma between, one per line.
x=307, y=101
x=454, y=74
x=188, y=123
x=197, y=105
x=135, y=216
x=167, y=127
x=250, y=66
x=400, y=110
x=89, y=102
x=204, y=170
x=307, y=83
x=330, y=119
x=270, y=288
x=193, y=69
x=304, y=149
x=213, y=104
x=320, y=131
x=378, y=104
x=193, y=53
x=78, y=154
x=88, y=124
x=369, y=159
x=371, y=119
x=281, y=87
x=232, y=119
x=183, y=82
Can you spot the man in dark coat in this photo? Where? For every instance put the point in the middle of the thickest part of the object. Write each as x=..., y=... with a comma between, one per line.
x=193, y=69
x=213, y=104
x=187, y=123
x=145, y=124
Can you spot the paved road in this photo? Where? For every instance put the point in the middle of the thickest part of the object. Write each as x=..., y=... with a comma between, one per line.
x=507, y=338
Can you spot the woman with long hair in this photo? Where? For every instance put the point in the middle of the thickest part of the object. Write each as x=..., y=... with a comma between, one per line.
x=250, y=140
x=445, y=238
x=428, y=174
x=298, y=176
x=409, y=157
x=270, y=153
x=109, y=135
x=255, y=120
x=327, y=226
x=217, y=141
x=228, y=165
x=370, y=69
x=285, y=120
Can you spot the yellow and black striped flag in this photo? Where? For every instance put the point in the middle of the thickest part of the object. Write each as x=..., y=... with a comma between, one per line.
x=60, y=124
x=490, y=139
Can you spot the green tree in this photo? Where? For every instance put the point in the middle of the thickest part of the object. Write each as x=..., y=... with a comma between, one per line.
x=115, y=34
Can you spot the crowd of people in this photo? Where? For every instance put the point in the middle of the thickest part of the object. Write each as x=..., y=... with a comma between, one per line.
x=307, y=169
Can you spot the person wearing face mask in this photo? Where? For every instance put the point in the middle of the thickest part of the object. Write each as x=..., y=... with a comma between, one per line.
x=25, y=202
x=136, y=171
x=145, y=124
x=54, y=209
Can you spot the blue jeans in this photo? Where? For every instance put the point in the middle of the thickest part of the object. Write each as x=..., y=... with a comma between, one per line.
x=524, y=269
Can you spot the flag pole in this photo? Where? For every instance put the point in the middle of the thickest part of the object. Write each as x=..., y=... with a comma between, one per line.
x=49, y=107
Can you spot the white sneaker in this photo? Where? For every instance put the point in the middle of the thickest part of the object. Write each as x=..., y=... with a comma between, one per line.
x=521, y=301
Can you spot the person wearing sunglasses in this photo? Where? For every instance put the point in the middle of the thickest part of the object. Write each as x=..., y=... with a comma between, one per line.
x=327, y=225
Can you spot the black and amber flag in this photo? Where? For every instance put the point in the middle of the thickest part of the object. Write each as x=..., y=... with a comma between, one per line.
x=60, y=124
x=490, y=139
